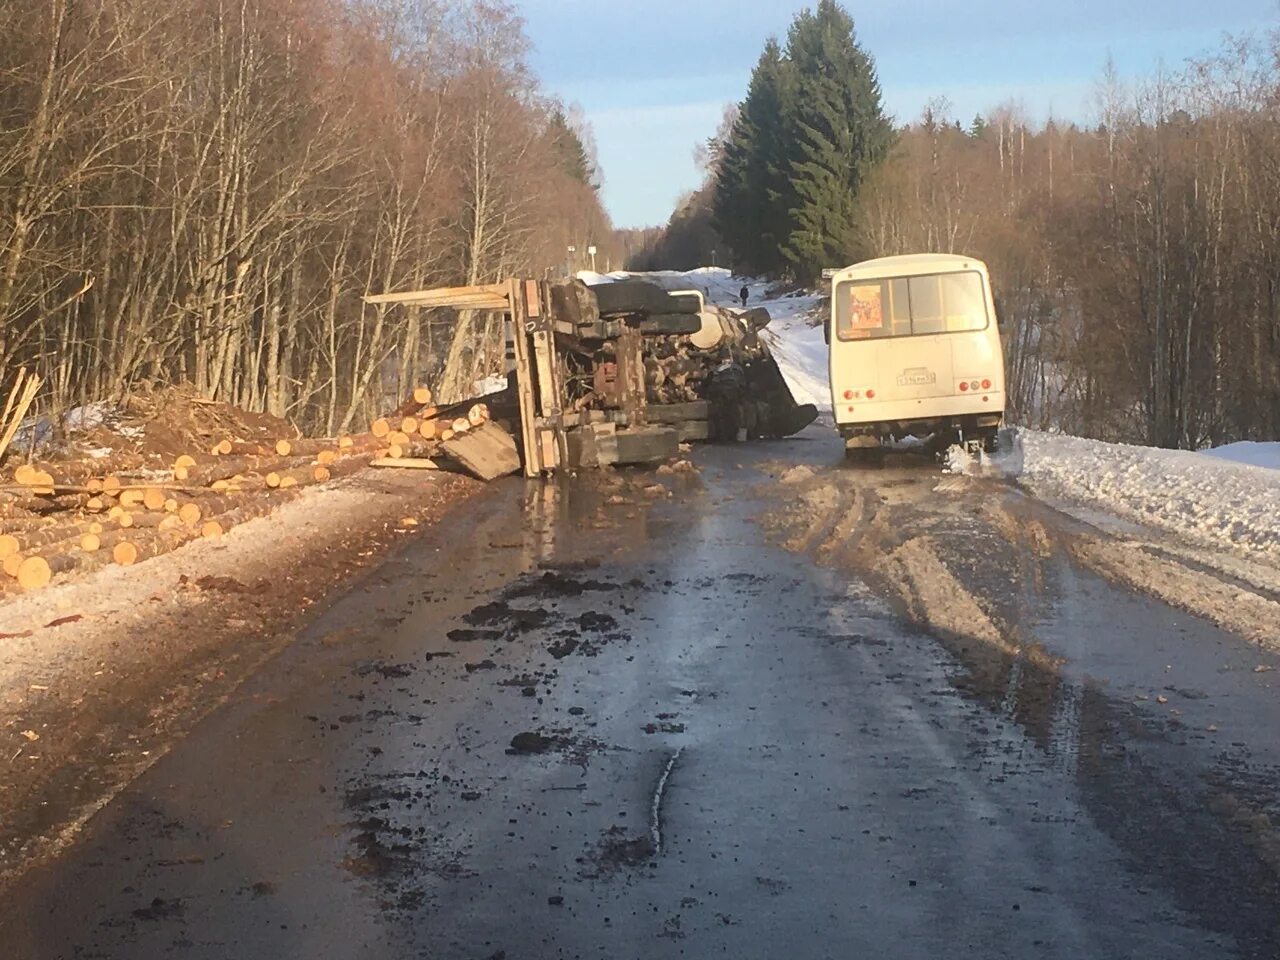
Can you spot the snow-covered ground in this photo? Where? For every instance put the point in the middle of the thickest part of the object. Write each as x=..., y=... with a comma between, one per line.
x=1208, y=500
x=1251, y=452
x=795, y=341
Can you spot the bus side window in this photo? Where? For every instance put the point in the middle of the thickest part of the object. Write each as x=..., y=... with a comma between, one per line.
x=926, y=305
x=899, y=308
x=965, y=303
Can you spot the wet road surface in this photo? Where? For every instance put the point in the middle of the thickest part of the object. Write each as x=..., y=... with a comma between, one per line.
x=589, y=720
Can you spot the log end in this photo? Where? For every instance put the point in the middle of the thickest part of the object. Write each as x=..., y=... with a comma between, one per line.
x=33, y=573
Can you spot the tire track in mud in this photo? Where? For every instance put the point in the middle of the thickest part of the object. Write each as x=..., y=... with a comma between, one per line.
x=1208, y=837
x=1248, y=611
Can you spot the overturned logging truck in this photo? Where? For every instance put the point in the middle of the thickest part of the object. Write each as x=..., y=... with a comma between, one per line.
x=623, y=372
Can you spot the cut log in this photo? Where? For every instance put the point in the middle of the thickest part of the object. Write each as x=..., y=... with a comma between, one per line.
x=397, y=437
x=131, y=497
x=349, y=465
x=486, y=451
x=11, y=563
x=111, y=485
x=42, y=483
x=420, y=397
x=239, y=483
x=298, y=476
x=95, y=504
x=90, y=542
x=186, y=460
x=326, y=457
x=221, y=448
x=380, y=427
x=8, y=545
x=189, y=513
x=225, y=467
x=34, y=573
x=427, y=429
x=170, y=505
x=24, y=473
x=461, y=425
x=211, y=530
x=248, y=448
x=478, y=414
x=146, y=519
x=284, y=447
x=345, y=443
x=311, y=447
x=153, y=498
x=409, y=426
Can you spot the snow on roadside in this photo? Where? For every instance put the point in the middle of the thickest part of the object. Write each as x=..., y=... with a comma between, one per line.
x=1207, y=500
x=1249, y=452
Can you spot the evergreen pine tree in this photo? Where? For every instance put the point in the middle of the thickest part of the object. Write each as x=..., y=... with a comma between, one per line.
x=836, y=132
x=745, y=202
x=570, y=151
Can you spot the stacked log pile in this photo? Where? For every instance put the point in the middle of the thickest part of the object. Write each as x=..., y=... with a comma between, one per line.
x=76, y=516
x=79, y=515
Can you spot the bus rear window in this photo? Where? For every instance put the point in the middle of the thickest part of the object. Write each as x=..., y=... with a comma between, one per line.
x=906, y=306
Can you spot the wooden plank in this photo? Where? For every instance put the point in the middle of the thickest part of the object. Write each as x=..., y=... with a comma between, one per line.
x=488, y=297
x=487, y=451
x=532, y=302
x=524, y=384
x=406, y=463
x=677, y=412
x=647, y=444
x=631, y=374
x=693, y=430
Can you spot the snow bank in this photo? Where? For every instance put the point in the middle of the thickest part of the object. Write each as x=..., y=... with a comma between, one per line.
x=1250, y=452
x=1208, y=500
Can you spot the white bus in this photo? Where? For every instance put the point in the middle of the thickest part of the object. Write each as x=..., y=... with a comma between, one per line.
x=915, y=351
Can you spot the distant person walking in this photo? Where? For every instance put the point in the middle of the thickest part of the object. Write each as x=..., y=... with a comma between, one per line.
x=744, y=293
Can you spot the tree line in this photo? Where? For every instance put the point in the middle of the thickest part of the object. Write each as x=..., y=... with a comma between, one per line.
x=1135, y=258
x=203, y=190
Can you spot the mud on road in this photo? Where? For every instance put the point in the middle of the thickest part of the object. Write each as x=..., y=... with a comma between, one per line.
x=1107, y=651
x=753, y=711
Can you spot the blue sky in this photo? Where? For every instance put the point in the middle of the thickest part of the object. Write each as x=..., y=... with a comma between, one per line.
x=654, y=76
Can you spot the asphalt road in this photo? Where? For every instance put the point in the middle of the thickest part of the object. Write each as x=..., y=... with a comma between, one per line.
x=587, y=721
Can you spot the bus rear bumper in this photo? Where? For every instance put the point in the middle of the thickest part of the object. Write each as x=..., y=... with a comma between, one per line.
x=966, y=424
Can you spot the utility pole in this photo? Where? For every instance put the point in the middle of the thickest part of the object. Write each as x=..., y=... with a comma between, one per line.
x=592, y=250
